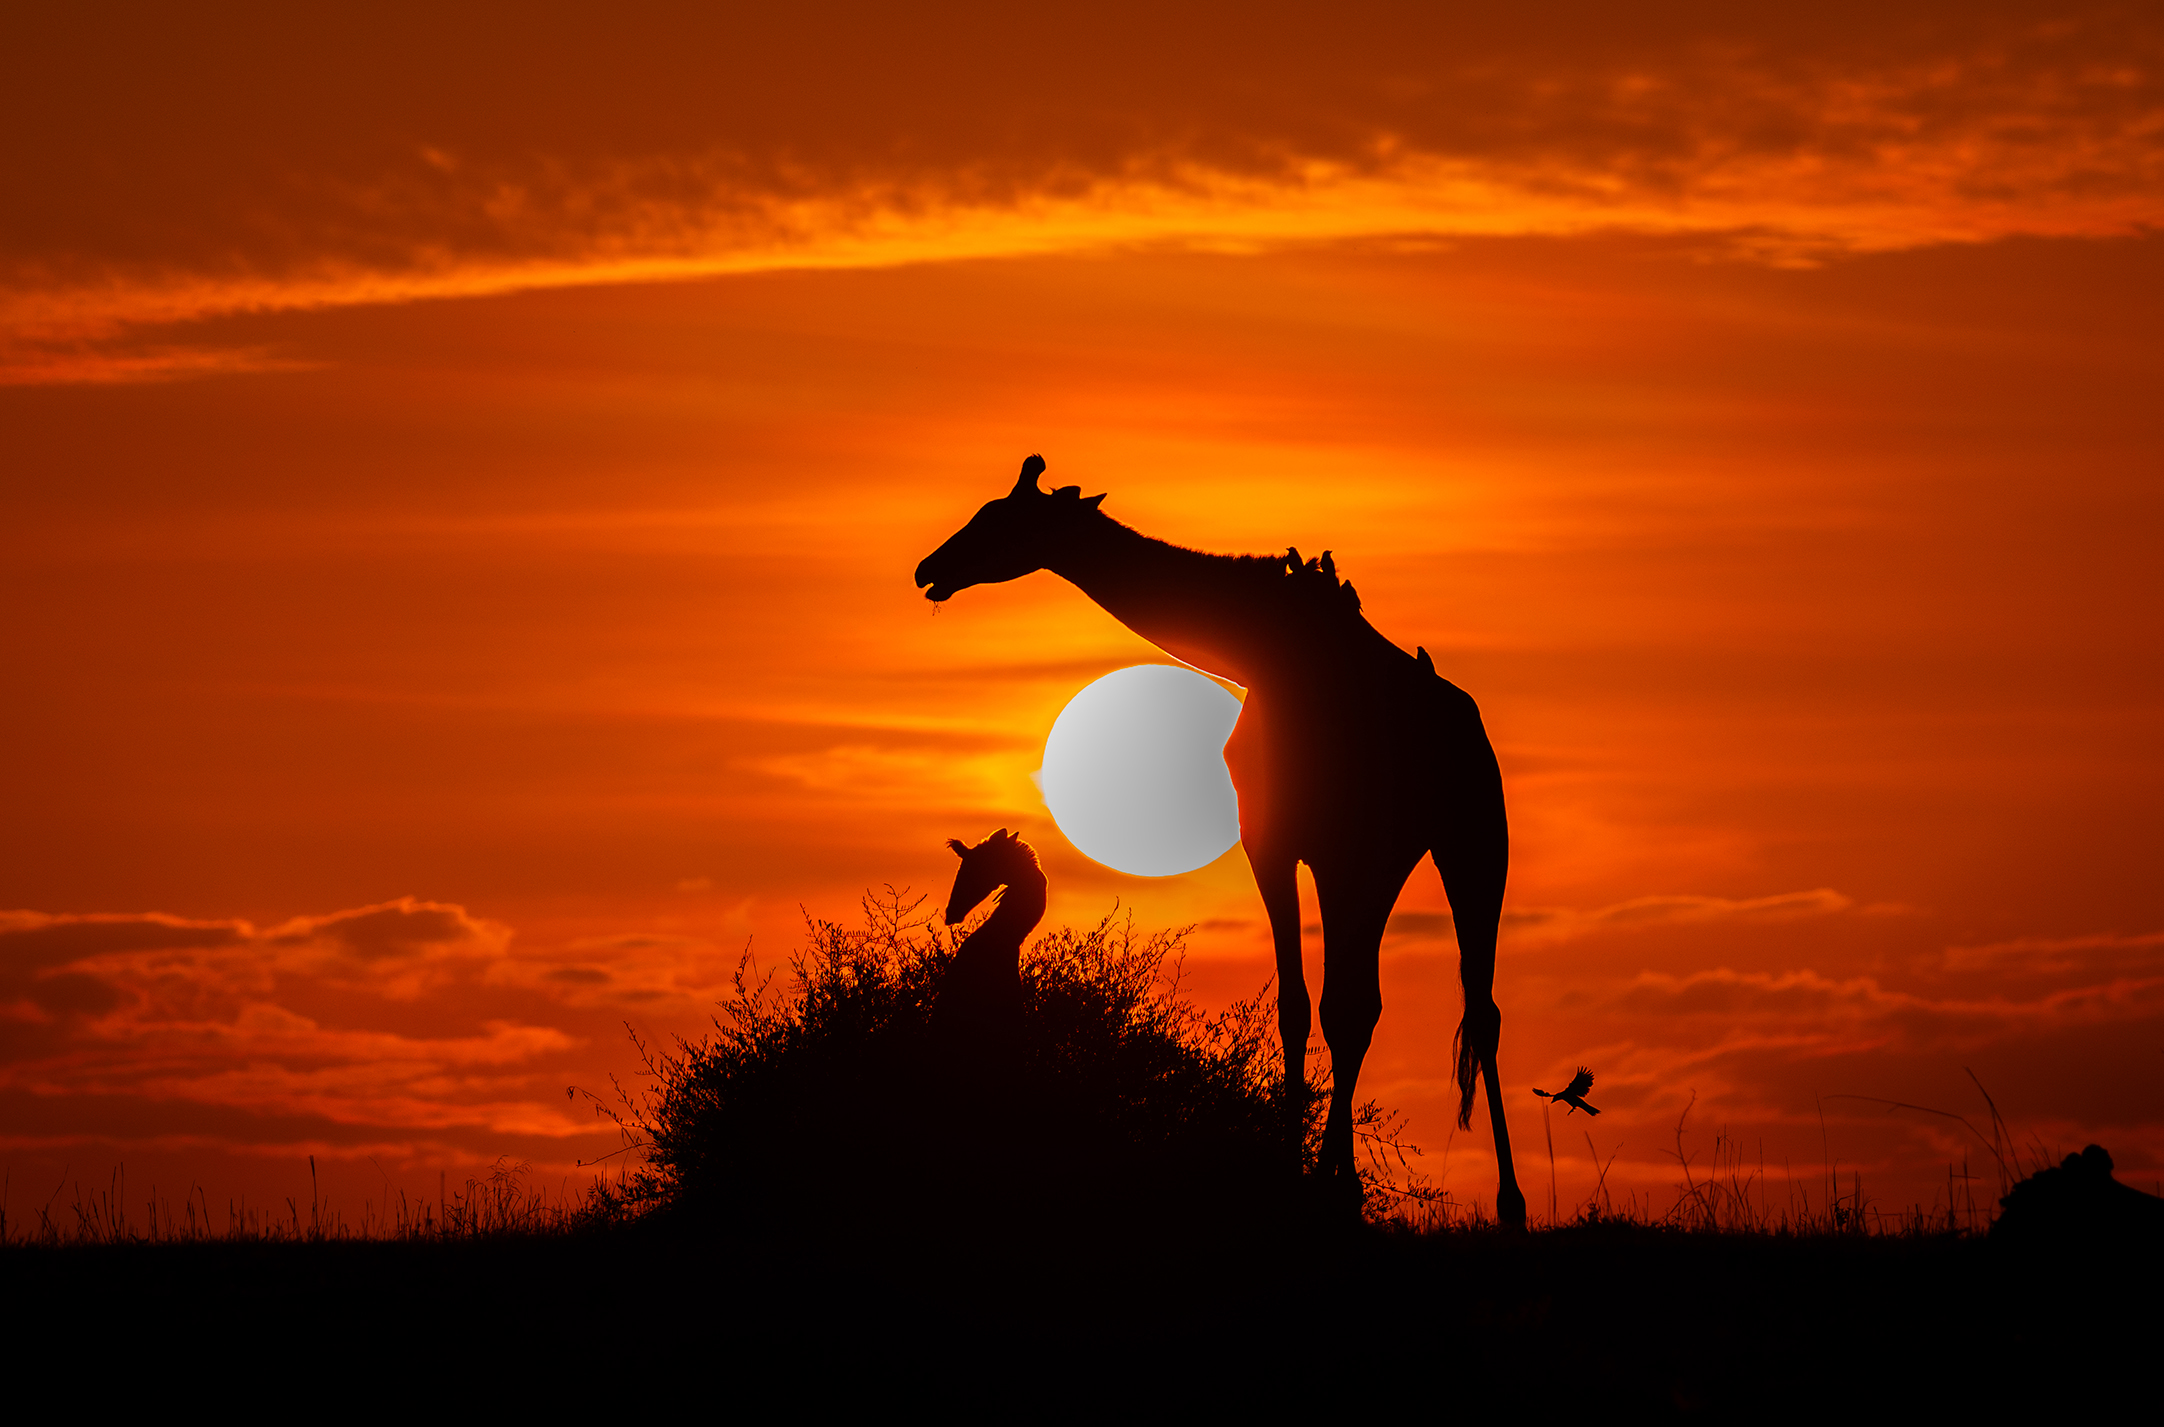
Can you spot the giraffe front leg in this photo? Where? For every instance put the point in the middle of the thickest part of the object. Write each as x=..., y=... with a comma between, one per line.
x=1356, y=902
x=1352, y=1003
x=1277, y=878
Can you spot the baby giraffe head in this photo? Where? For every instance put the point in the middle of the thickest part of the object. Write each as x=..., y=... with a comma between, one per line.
x=999, y=861
x=1016, y=535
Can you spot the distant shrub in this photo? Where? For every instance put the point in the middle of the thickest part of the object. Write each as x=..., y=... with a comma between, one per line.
x=830, y=1091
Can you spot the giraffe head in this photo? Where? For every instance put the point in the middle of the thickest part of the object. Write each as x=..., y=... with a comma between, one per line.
x=1016, y=535
x=996, y=862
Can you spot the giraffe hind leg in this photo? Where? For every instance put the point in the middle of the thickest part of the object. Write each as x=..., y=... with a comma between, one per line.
x=1473, y=871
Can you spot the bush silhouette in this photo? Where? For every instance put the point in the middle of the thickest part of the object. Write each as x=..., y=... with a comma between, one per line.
x=834, y=1093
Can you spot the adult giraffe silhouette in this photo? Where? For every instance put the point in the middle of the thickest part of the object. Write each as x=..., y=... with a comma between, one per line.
x=1350, y=755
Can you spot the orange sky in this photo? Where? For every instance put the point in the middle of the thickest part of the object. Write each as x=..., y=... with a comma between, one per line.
x=462, y=481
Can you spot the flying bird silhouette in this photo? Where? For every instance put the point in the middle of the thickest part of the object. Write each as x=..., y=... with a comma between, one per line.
x=1574, y=1094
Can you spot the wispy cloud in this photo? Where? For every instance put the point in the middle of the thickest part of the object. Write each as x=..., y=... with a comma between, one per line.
x=94, y=350
x=297, y=1020
x=1530, y=925
x=1771, y=1032
x=1767, y=143
x=2055, y=956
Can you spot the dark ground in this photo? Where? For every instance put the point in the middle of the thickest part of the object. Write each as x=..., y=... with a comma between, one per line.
x=1215, y=1319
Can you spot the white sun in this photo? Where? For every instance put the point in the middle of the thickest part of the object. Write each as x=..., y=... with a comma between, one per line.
x=1134, y=771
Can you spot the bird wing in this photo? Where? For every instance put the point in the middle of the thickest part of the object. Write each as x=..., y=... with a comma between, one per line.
x=1582, y=1083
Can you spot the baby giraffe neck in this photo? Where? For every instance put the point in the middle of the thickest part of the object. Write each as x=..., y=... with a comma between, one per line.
x=1021, y=907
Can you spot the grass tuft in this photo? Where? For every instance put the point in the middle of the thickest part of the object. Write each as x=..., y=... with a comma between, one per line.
x=504, y=1205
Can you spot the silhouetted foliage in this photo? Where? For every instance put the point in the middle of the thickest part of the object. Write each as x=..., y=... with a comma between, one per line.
x=833, y=1090
x=2079, y=1201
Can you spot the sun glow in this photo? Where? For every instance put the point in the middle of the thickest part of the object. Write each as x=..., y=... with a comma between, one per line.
x=1134, y=771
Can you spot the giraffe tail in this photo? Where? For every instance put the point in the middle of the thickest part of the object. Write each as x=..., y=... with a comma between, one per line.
x=1468, y=1049
x=1475, y=1042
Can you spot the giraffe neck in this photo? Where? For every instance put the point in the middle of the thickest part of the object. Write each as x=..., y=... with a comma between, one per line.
x=1207, y=610
x=1021, y=907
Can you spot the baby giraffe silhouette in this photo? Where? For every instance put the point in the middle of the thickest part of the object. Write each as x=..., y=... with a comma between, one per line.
x=981, y=998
